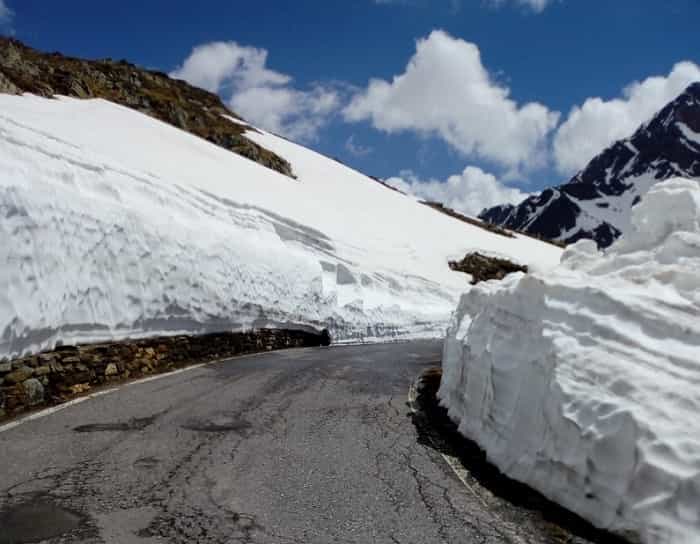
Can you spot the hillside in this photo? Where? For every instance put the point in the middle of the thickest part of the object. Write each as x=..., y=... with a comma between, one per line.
x=116, y=224
x=597, y=202
x=26, y=70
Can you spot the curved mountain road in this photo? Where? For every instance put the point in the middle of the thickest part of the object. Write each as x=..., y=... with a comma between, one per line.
x=298, y=446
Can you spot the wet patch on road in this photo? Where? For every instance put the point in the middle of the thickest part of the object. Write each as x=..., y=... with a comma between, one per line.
x=136, y=424
x=219, y=425
x=36, y=520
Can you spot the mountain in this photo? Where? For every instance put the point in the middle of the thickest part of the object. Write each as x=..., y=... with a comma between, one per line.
x=26, y=70
x=116, y=222
x=597, y=202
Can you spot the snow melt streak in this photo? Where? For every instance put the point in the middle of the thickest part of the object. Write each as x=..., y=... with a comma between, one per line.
x=585, y=383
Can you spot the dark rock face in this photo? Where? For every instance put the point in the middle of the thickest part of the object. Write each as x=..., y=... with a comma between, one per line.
x=25, y=70
x=595, y=204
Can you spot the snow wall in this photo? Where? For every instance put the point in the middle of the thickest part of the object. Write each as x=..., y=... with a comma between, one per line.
x=115, y=225
x=585, y=382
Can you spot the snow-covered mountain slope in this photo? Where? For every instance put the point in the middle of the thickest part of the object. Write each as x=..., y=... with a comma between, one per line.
x=597, y=202
x=116, y=224
x=584, y=382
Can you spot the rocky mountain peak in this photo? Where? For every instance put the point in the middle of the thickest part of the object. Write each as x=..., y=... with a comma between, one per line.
x=596, y=203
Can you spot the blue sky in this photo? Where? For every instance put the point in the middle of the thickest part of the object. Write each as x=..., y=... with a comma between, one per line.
x=491, y=89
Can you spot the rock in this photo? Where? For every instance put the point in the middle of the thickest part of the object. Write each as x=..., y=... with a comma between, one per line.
x=19, y=375
x=79, y=388
x=189, y=108
x=33, y=392
x=7, y=87
x=5, y=367
x=484, y=268
x=111, y=370
x=70, y=360
x=46, y=358
x=42, y=370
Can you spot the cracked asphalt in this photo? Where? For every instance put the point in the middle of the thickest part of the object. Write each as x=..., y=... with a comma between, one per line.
x=299, y=446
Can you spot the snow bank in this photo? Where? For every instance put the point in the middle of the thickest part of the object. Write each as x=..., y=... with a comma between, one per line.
x=585, y=382
x=114, y=224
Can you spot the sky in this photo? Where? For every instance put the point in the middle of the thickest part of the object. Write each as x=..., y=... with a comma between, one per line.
x=470, y=102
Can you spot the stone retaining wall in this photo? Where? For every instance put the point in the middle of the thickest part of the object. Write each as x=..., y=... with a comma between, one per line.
x=56, y=376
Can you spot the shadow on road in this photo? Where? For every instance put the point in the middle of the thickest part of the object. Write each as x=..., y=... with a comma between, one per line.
x=437, y=431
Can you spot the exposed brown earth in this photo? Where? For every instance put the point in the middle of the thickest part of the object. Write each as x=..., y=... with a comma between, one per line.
x=488, y=226
x=484, y=268
x=26, y=70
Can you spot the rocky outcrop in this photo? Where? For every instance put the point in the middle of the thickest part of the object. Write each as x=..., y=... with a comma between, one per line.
x=471, y=221
x=25, y=70
x=484, y=268
x=597, y=202
x=56, y=376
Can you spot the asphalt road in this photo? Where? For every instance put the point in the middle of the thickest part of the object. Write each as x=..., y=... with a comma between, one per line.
x=299, y=446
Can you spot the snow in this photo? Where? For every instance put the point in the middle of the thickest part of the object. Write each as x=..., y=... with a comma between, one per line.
x=689, y=134
x=584, y=382
x=616, y=210
x=115, y=224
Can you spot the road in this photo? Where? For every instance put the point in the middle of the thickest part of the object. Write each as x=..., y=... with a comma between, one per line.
x=299, y=446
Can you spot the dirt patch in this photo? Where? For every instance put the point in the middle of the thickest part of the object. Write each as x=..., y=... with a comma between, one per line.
x=484, y=268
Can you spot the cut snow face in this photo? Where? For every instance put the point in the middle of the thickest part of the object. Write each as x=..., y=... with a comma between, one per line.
x=584, y=382
x=114, y=224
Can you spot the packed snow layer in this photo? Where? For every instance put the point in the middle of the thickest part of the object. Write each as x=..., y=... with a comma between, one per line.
x=585, y=382
x=114, y=224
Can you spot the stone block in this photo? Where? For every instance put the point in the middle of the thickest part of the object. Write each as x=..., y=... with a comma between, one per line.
x=33, y=392
x=19, y=375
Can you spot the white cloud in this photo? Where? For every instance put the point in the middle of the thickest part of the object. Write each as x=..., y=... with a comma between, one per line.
x=469, y=192
x=262, y=96
x=446, y=91
x=356, y=149
x=6, y=14
x=537, y=6
x=596, y=124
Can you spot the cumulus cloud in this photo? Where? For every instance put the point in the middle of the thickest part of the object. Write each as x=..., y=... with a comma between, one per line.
x=446, y=91
x=469, y=192
x=355, y=148
x=597, y=123
x=263, y=96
